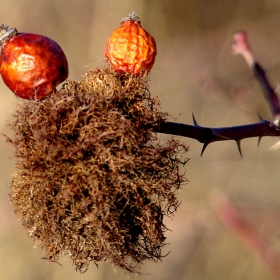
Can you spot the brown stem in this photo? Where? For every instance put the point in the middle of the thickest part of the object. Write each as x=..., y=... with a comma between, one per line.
x=207, y=135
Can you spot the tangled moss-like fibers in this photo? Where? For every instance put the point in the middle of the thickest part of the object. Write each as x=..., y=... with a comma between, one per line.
x=92, y=180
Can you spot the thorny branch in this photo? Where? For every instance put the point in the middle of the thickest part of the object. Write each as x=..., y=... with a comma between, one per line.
x=207, y=135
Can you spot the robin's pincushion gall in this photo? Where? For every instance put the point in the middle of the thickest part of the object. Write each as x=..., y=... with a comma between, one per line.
x=32, y=65
x=131, y=48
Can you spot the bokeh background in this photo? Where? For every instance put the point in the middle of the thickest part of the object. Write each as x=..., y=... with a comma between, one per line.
x=195, y=72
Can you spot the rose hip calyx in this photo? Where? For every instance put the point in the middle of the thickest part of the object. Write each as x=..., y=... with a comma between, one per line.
x=6, y=33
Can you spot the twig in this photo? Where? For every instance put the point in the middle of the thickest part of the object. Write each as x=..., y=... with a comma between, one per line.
x=242, y=46
x=207, y=135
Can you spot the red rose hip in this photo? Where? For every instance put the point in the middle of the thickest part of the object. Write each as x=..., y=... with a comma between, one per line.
x=131, y=48
x=32, y=65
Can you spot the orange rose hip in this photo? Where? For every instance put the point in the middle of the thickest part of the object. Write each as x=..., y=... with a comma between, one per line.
x=32, y=65
x=130, y=47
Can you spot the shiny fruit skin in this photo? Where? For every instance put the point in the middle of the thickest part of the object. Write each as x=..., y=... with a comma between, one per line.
x=32, y=65
x=131, y=48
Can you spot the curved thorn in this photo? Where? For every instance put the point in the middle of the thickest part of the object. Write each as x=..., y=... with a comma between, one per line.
x=194, y=121
x=239, y=147
x=259, y=140
x=203, y=148
x=261, y=119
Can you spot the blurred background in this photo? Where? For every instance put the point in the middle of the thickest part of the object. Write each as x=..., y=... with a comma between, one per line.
x=195, y=72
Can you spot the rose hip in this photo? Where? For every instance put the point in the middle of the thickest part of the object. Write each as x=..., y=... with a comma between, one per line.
x=130, y=47
x=32, y=65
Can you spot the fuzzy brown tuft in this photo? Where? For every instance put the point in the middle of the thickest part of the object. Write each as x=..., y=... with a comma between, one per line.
x=92, y=179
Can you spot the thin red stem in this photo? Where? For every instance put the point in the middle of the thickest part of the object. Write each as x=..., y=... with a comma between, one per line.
x=241, y=46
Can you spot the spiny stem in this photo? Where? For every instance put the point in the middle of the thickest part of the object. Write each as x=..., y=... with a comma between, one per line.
x=207, y=135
